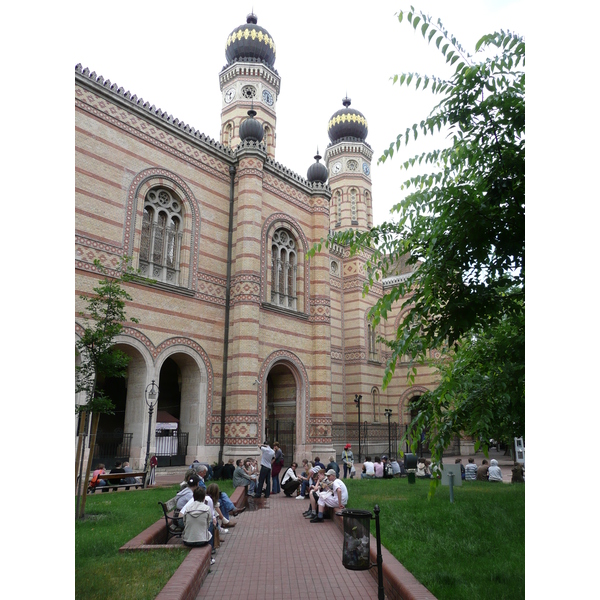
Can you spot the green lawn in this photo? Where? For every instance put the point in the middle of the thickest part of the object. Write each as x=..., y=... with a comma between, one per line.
x=108, y=525
x=472, y=548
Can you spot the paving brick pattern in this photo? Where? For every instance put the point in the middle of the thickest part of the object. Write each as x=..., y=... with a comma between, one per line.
x=274, y=552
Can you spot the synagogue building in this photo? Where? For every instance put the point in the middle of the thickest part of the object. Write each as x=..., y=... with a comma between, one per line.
x=246, y=337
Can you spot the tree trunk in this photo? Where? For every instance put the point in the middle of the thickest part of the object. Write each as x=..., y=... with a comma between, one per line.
x=82, y=418
x=79, y=460
x=95, y=420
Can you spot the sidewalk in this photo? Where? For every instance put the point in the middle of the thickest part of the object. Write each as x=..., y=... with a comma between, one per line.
x=276, y=553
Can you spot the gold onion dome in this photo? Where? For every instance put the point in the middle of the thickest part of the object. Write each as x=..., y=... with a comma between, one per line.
x=250, y=42
x=317, y=171
x=347, y=123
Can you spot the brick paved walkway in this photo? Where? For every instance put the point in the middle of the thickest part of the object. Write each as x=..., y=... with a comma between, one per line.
x=276, y=553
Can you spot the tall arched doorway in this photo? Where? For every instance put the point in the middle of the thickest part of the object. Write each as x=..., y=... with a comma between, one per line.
x=280, y=422
x=181, y=409
x=120, y=435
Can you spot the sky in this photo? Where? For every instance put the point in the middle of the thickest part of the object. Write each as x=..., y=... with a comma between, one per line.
x=325, y=50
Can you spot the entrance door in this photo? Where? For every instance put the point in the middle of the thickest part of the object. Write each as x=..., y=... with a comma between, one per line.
x=281, y=410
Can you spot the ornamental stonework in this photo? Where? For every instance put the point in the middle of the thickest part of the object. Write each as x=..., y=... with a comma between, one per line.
x=147, y=131
x=286, y=191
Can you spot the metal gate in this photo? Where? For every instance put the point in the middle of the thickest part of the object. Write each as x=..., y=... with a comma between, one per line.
x=111, y=448
x=171, y=447
x=284, y=432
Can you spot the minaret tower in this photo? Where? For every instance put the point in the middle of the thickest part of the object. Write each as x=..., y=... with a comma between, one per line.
x=249, y=81
x=348, y=159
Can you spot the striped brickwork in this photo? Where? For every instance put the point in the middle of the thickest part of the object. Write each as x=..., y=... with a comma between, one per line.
x=310, y=360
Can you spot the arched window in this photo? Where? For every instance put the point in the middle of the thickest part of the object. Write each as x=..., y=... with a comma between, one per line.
x=284, y=266
x=372, y=342
x=161, y=236
x=369, y=209
x=376, y=407
x=268, y=138
x=338, y=206
x=227, y=134
x=353, y=210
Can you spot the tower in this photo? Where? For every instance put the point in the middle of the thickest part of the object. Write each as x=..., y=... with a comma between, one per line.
x=249, y=81
x=348, y=159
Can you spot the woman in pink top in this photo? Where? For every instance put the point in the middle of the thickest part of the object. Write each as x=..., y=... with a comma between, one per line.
x=378, y=467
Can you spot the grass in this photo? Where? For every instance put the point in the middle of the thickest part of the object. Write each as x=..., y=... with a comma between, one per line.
x=472, y=548
x=99, y=568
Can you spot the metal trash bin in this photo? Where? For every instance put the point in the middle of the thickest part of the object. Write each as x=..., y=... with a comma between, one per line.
x=410, y=464
x=356, y=549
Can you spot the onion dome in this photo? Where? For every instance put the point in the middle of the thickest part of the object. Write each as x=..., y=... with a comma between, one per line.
x=250, y=41
x=347, y=122
x=251, y=129
x=317, y=171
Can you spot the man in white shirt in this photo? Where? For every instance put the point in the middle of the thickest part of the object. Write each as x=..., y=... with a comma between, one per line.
x=368, y=469
x=338, y=498
x=290, y=482
x=266, y=460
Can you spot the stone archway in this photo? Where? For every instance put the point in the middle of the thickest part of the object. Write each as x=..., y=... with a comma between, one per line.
x=281, y=409
x=285, y=372
x=184, y=377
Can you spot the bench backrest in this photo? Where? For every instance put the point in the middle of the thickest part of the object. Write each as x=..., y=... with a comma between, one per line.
x=170, y=504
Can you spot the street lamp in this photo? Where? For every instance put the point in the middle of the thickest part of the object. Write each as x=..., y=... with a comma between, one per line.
x=388, y=414
x=357, y=399
x=151, y=393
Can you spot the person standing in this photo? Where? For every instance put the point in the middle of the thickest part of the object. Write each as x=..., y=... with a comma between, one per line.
x=347, y=459
x=266, y=462
x=276, y=468
x=153, y=463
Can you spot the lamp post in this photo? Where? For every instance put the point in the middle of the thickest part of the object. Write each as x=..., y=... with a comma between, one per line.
x=388, y=414
x=151, y=394
x=357, y=399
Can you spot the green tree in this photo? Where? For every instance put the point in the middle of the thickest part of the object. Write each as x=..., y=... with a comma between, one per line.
x=461, y=226
x=104, y=315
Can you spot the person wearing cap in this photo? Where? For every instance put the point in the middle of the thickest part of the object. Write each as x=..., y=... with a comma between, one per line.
x=337, y=499
x=266, y=461
x=347, y=459
x=388, y=472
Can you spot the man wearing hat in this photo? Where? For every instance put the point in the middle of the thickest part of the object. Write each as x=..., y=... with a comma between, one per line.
x=348, y=460
x=337, y=499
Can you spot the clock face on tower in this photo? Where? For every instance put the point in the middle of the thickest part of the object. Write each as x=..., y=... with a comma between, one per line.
x=229, y=95
x=366, y=169
x=336, y=168
x=267, y=97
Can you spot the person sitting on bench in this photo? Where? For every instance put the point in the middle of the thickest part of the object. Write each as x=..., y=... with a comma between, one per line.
x=197, y=519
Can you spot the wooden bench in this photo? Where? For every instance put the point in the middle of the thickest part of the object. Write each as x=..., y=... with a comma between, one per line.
x=173, y=529
x=117, y=477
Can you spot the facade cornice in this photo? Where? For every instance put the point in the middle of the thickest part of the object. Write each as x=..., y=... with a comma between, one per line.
x=395, y=280
x=249, y=69
x=353, y=145
x=130, y=102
